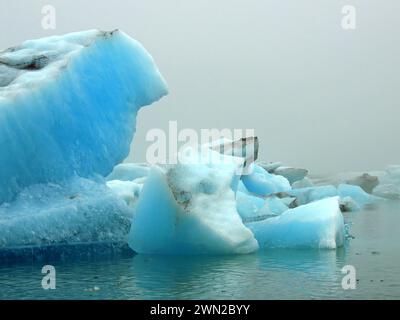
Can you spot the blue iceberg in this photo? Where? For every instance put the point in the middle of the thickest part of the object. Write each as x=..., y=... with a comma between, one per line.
x=68, y=106
x=319, y=224
x=190, y=208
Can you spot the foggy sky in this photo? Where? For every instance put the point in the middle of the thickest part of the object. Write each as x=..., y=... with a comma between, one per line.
x=316, y=95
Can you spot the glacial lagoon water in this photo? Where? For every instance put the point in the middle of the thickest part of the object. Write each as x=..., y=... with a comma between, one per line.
x=373, y=249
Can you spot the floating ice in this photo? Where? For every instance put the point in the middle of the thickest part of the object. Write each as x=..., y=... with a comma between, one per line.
x=248, y=206
x=270, y=166
x=307, y=195
x=347, y=204
x=68, y=106
x=357, y=194
x=190, y=209
x=303, y=183
x=366, y=181
x=75, y=212
x=316, y=225
x=292, y=174
x=389, y=186
x=263, y=183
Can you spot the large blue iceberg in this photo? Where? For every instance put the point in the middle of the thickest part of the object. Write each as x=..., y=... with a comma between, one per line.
x=68, y=107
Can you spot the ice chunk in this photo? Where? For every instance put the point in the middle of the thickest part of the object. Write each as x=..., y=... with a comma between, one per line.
x=270, y=166
x=263, y=183
x=292, y=174
x=78, y=211
x=389, y=186
x=347, y=204
x=357, y=194
x=190, y=208
x=316, y=225
x=365, y=181
x=248, y=205
x=277, y=205
x=253, y=208
x=129, y=171
x=303, y=183
x=68, y=106
x=307, y=195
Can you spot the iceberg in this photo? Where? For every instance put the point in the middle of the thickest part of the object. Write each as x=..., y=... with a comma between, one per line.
x=68, y=106
x=190, y=208
x=292, y=174
x=248, y=206
x=303, y=183
x=366, y=181
x=357, y=194
x=310, y=194
x=319, y=224
x=74, y=212
x=389, y=183
x=262, y=183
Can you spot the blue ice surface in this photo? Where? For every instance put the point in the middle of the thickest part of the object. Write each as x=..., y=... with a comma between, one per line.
x=190, y=209
x=318, y=224
x=253, y=208
x=260, y=182
x=76, y=114
x=310, y=194
x=77, y=211
x=68, y=107
x=361, y=197
x=248, y=205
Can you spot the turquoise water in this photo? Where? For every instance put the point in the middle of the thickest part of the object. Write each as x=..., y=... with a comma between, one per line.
x=274, y=274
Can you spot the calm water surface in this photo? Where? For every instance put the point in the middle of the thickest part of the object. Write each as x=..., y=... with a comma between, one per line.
x=273, y=274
